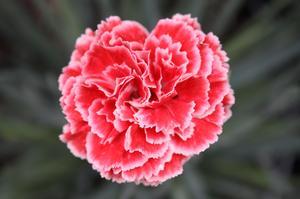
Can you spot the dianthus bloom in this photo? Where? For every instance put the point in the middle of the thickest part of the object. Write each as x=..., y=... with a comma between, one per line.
x=140, y=104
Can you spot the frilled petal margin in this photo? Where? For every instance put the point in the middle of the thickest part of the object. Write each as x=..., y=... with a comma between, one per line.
x=175, y=113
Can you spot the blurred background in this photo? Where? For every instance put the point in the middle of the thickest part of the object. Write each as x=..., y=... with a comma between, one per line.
x=258, y=154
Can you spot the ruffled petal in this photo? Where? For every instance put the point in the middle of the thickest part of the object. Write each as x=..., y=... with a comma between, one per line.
x=218, y=116
x=205, y=134
x=82, y=45
x=183, y=34
x=99, y=124
x=152, y=167
x=192, y=22
x=75, y=142
x=99, y=57
x=171, y=169
x=154, y=137
x=84, y=96
x=185, y=133
x=72, y=70
x=216, y=94
x=135, y=140
x=67, y=102
x=193, y=89
x=104, y=157
x=131, y=31
x=207, y=58
x=166, y=117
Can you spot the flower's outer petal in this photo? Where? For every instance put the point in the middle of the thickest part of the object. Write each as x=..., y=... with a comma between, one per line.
x=213, y=42
x=195, y=89
x=108, y=25
x=131, y=31
x=183, y=34
x=151, y=168
x=205, y=134
x=112, y=155
x=188, y=20
x=75, y=142
x=82, y=45
x=228, y=101
x=171, y=169
x=219, y=72
x=218, y=116
x=216, y=94
x=67, y=102
x=207, y=57
x=68, y=71
x=112, y=175
x=114, y=32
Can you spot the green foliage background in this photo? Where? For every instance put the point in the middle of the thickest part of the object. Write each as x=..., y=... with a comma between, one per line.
x=258, y=154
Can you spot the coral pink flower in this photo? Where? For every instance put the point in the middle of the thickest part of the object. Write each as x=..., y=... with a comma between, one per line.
x=140, y=104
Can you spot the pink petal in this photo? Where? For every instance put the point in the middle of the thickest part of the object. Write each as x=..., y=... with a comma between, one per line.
x=166, y=117
x=68, y=105
x=84, y=96
x=218, y=116
x=82, y=45
x=205, y=134
x=100, y=57
x=217, y=92
x=228, y=101
x=183, y=34
x=194, y=88
x=170, y=73
x=185, y=133
x=121, y=125
x=109, y=105
x=73, y=70
x=135, y=140
x=113, y=176
x=108, y=25
x=152, y=167
x=171, y=169
x=219, y=72
x=112, y=155
x=188, y=20
x=75, y=141
x=131, y=31
x=123, y=110
x=111, y=79
x=99, y=125
x=207, y=58
x=154, y=137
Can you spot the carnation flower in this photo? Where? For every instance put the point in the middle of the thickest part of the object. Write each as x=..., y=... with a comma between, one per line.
x=139, y=104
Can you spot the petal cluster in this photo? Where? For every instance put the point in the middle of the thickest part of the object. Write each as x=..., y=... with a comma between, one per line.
x=140, y=104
